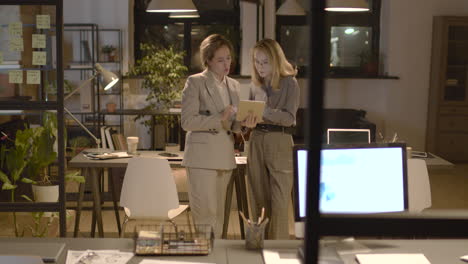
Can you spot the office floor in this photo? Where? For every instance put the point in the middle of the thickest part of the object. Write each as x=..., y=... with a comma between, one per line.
x=448, y=189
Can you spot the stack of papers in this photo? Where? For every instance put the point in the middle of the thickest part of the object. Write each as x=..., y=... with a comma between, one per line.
x=112, y=155
x=392, y=259
x=98, y=256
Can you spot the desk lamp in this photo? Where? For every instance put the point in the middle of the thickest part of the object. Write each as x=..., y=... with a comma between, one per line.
x=107, y=79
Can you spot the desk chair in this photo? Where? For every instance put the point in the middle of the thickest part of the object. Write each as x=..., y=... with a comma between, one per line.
x=419, y=188
x=149, y=192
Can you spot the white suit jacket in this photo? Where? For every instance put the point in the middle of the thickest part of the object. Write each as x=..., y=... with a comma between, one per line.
x=208, y=145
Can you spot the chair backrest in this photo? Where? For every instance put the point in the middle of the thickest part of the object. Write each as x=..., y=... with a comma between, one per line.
x=149, y=190
x=419, y=188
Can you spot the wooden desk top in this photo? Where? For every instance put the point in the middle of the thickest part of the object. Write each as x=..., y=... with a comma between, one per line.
x=438, y=163
x=80, y=161
x=437, y=251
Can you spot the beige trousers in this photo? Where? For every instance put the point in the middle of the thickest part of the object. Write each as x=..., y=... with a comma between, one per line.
x=207, y=195
x=270, y=177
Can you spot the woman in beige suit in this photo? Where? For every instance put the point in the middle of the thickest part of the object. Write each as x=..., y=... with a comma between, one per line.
x=209, y=102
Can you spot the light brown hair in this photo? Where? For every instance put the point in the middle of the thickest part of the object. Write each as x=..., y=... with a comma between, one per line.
x=210, y=45
x=280, y=65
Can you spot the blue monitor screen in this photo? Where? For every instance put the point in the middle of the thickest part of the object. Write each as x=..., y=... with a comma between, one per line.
x=366, y=179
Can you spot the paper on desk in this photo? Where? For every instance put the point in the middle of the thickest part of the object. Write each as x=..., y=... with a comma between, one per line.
x=392, y=259
x=154, y=261
x=74, y=255
x=273, y=257
x=241, y=160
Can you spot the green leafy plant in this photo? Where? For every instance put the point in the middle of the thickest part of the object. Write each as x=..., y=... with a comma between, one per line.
x=42, y=152
x=107, y=49
x=78, y=143
x=369, y=62
x=28, y=157
x=162, y=70
x=14, y=160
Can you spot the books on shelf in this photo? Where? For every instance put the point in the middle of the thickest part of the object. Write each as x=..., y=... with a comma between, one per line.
x=103, y=137
x=112, y=140
x=109, y=141
x=116, y=142
x=122, y=142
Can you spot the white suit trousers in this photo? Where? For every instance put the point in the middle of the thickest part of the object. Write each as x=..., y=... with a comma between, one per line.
x=207, y=196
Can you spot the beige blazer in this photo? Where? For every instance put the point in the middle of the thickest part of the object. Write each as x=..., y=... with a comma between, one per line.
x=207, y=144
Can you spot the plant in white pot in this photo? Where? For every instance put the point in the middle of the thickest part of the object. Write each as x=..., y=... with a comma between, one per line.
x=25, y=160
x=42, y=155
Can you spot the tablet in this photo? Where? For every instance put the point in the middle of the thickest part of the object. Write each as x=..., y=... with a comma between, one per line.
x=246, y=106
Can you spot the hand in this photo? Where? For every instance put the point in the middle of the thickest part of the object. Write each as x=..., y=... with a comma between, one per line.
x=250, y=121
x=228, y=112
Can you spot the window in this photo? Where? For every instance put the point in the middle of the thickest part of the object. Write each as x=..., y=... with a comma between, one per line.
x=186, y=34
x=353, y=46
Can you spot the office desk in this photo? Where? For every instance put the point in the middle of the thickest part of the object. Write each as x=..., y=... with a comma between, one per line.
x=437, y=163
x=437, y=251
x=92, y=171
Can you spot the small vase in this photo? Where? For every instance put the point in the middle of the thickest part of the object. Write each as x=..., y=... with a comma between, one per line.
x=111, y=107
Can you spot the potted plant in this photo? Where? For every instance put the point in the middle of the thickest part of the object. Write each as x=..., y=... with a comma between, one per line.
x=369, y=62
x=42, y=154
x=13, y=162
x=162, y=70
x=109, y=52
x=79, y=143
x=27, y=160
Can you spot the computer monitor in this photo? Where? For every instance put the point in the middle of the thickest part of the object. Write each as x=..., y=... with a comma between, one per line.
x=354, y=179
x=348, y=135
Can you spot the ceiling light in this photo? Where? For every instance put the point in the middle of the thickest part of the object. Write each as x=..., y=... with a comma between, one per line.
x=291, y=8
x=347, y=6
x=184, y=15
x=171, y=6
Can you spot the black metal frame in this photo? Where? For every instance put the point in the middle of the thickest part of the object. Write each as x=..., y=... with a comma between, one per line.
x=368, y=19
x=317, y=224
x=119, y=86
x=44, y=105
x=142, y=19
x=313, y=126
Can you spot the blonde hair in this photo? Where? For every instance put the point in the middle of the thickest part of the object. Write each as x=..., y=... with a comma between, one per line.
x=280, y=65
x=210, y=45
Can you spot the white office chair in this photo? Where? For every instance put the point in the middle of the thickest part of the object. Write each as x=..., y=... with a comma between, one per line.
x=419, y=188
x=149, y=192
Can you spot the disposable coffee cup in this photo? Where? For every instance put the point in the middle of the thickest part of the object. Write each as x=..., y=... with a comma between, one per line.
x=409, y=152
x=132, y=143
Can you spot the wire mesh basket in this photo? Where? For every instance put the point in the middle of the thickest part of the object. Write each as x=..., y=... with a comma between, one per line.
x=171, y=239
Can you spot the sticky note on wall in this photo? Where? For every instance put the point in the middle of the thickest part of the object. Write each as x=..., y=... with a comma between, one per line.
x=16, y=44
x=42, y=21
x=15, y=76
x=38, y=41
x=39, y=58
x=15, y=29
x=33, y=77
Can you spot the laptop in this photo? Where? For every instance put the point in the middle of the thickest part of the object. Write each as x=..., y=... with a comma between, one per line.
x=348, y=135
x=21, y=259
x=49, y=252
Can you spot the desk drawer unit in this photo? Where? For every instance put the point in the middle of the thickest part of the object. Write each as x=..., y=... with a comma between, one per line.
x=453, y=123
x=454, y=110
x=453, y=146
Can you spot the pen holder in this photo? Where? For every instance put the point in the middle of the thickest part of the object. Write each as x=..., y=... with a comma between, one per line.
x=254, y=235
